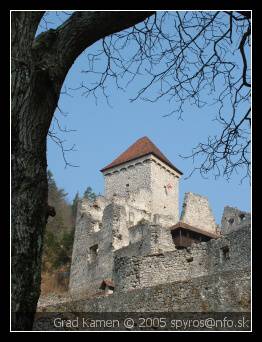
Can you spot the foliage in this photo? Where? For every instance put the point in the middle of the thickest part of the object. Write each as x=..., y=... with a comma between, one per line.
x=59, y=233
x=89, y=194
x=57, y=250
x=74, y=205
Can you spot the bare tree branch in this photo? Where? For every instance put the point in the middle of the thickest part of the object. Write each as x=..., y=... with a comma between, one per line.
x=188, y=57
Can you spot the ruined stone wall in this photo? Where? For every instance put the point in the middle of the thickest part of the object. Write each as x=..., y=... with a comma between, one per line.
x=93, y=251
x=87, y=226
x=234, y=219
x=147, y=239
x=227, y=291
x=196, y=212
x=116, y=238
x=102, y=229
x=136, y=206
x=224, y=254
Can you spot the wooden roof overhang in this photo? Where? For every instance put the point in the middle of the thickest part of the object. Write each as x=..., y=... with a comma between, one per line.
x=186, y=227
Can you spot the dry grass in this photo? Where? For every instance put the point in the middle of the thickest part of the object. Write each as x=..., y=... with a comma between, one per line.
x=50, y=284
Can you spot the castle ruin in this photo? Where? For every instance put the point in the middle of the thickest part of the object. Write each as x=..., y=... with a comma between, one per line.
x=133, y=237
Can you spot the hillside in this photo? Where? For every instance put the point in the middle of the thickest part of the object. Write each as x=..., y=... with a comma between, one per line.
x=59, y=238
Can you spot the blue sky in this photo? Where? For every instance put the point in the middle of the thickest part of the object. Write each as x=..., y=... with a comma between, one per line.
x=102, y=132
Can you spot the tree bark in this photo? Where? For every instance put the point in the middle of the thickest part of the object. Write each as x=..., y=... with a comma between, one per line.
x=39, y=67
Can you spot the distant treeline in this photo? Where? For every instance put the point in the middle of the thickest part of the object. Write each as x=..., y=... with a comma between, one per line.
x=59, y=233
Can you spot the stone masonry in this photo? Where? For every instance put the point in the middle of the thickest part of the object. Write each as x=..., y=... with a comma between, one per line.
x=197, y=212
x=234, y=218
x=159, y=182
x=227, y=253
x=125, y=238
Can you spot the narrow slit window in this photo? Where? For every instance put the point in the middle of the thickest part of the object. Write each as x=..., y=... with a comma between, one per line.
x=93, y=252
x=225, y=253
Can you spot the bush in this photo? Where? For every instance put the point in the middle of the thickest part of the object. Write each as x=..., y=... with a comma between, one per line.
x=57, y=250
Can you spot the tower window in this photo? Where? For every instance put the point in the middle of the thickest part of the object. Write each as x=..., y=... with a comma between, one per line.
x=156, y=219
x=242, y=217
x=231, y=220
x=225, y=253
x=93, y=251
x=131, y=218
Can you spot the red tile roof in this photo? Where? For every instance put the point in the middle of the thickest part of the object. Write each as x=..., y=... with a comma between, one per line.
x=140, y=148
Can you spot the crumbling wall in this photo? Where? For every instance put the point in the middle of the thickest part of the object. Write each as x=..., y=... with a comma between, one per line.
x=146, y=238
x=93, y=251
x=137, y=206
x=227, y=253
x=84, y=229
x=234, y=219
x=116, y=239
x=228, y=291
x=140, y=199
x=196, y=212
x=115, y=226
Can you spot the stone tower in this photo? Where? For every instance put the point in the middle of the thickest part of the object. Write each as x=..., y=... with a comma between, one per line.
x=144, y=169
x=140, y=203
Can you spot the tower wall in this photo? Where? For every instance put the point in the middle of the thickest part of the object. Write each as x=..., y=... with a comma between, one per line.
x=160, y=182
x=165, y=190
x=128, y=177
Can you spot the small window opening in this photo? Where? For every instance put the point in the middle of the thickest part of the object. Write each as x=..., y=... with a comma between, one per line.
x=231, y=220
x=190, y=259
x=131, y=218
x=242, y=217
x=225, y=253
x=93, y=252
x=156, y=219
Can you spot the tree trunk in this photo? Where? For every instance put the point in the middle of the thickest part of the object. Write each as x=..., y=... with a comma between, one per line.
x=39, y=67
x=29, y=208
x=33, y=104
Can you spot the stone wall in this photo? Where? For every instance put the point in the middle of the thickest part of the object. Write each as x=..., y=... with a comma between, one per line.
x=227, y=291
x=234, y=219
x=146, y=239
x=165, y=185
x=224, y=254
x=144, y=255
x=196, y=212
x=93, y=251
x=104, y=226
x=120, y=238
x=150, y=174
x=128, y=177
